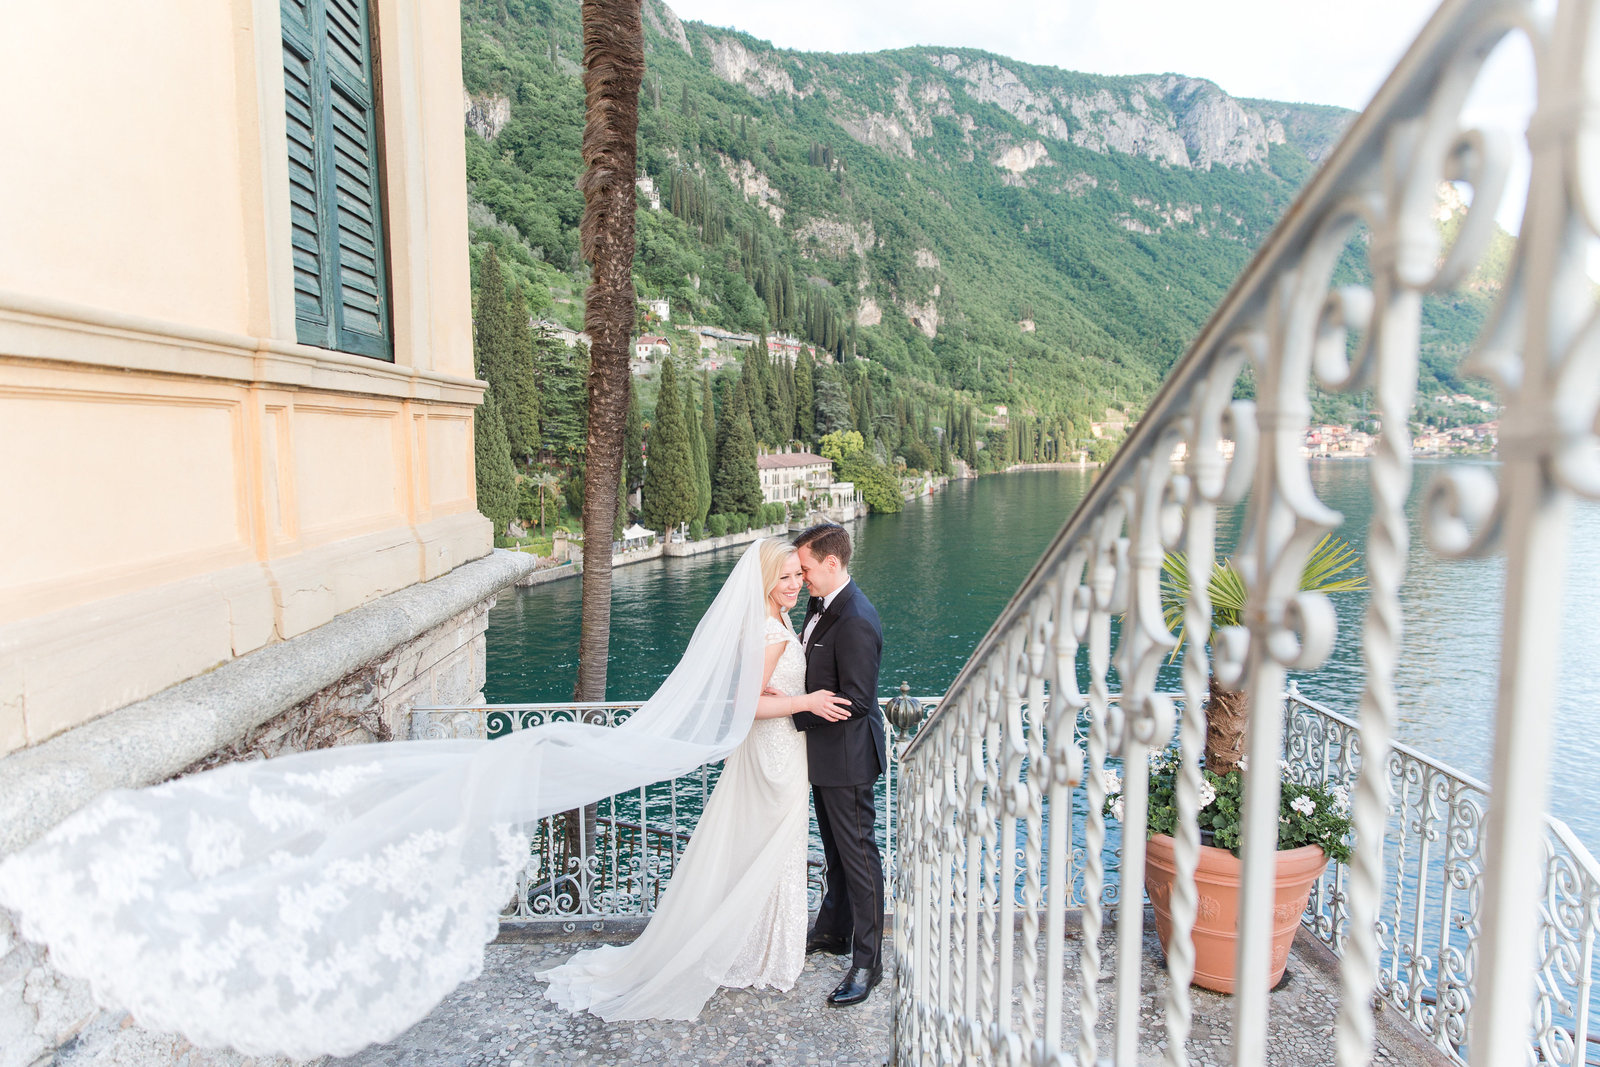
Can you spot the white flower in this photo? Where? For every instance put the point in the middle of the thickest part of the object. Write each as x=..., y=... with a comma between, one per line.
x=1116, y=809
x=1208, y=793
x=1304, y=805
x=1111, y=781
x=1341, y=799
x=1244, y=763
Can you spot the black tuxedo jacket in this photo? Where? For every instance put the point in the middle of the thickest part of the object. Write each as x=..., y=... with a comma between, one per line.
x=842, y=656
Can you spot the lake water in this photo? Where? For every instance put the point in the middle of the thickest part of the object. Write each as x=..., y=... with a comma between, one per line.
x=940, y=571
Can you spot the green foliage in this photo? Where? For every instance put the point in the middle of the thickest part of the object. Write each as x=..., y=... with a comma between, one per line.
x=841, y=445
x=497, y=491
x=503, y=354
x=1308, y=814
x=542, y=492
x=1063, y=246
x=736, y=485
x=708, y=426
x=805, y=414
x=738, y=522
x=1322, y=572
x=560, y=373
x=671, y=489
x=633, y=443
x=879, y=487
x=717, y=525
x=697, y=447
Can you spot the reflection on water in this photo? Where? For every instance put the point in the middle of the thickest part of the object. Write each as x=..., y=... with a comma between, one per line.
x=941, y=571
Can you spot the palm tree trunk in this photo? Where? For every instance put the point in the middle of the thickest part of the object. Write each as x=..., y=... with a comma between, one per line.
x=613, y=60
x=613, y=67
x=1226, y=713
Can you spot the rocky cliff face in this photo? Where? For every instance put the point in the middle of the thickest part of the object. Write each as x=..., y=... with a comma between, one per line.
x=486, y=115
x=1168, y=119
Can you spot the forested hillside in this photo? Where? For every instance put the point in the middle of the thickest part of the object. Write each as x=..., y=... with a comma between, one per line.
x=977, y=230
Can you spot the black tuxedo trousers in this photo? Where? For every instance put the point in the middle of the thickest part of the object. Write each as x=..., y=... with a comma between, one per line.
x=846, y=759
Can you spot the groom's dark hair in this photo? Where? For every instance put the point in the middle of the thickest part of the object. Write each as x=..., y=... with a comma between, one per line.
x=826, y=539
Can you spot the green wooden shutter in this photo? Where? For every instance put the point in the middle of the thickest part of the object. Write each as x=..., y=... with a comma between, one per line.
x=341, y=293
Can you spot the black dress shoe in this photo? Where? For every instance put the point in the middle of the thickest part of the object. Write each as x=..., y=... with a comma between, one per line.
x=835, y=946
x=858, y=982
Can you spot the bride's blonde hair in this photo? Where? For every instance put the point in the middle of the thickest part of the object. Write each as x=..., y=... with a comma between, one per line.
x=775, y=551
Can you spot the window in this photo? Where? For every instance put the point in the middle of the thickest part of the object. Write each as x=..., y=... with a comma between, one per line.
x=341, y=297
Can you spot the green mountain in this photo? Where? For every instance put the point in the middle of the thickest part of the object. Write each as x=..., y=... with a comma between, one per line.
x=1020, y=234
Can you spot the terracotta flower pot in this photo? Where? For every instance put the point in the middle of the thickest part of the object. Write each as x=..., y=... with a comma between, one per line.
x=1216, y=920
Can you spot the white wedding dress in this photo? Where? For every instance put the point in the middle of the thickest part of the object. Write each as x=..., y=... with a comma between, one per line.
x=316, y=903
x=734, y=913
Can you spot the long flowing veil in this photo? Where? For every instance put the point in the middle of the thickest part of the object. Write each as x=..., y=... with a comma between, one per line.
x=316, y=903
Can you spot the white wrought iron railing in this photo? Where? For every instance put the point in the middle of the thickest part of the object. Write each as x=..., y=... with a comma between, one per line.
x=1430, y=915
x=1094, y=599
x=613, y=860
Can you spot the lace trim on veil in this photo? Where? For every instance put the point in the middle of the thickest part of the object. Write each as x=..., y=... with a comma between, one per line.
x=316, y=903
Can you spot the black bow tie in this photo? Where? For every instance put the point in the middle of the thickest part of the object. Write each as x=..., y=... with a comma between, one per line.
x=813, y=606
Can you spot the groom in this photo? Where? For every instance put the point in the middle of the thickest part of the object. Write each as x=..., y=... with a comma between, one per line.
x=844, y=643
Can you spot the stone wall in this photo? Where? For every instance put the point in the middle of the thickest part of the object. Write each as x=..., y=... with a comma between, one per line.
x=443, y=666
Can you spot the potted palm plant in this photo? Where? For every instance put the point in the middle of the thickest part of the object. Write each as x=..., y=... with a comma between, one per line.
x=1313, y=820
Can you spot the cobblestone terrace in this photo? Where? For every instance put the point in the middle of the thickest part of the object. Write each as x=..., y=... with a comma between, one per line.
x=503, y=1020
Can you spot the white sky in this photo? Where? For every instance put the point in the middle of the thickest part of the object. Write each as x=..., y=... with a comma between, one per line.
x=1290, y=50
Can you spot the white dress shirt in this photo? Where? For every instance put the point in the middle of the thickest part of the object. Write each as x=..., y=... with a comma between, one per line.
x=811, y=623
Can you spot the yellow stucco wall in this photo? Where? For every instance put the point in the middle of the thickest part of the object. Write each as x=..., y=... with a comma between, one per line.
x=182, y=482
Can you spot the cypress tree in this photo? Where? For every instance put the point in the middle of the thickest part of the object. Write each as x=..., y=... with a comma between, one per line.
x=736, y=485
x=497, y=489
x=671, y=495
x=708, y=420
x=633, y=445
x=522, y=421
x=805, y=413
x=752, y=381
x=561, y=374
x=778, y=424
x=494, y=344
x=697, y=446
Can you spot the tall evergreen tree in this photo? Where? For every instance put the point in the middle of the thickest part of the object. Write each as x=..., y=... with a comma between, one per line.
x=671, y=492
x=497, y=489
x=805, y=414
x=863, y=406
x=780, y=416
x=522, y=424
x=708, y=420
x=752, y=379
x=736, y=483
x=494, y=344
x=560, y=372
x=697, y=446
x=633, y=445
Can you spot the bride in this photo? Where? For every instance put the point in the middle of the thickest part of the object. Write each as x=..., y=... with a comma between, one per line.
x=734, y=913
x=317, y=903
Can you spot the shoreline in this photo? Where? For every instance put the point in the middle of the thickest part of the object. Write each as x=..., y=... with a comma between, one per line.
x=573, y=568
x=1015, y=468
